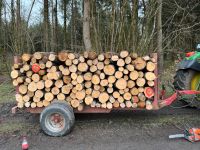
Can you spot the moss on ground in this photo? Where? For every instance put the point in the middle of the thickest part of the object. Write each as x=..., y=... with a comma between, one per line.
x=15, y=126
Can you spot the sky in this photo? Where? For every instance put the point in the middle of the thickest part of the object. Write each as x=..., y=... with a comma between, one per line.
x=36, y=11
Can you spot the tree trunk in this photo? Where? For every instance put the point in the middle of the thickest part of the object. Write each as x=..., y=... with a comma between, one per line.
x=159, y=37
x=56, y=25
x=135, y=23
x=46, y=25
x=86, y=25
x=65, y=22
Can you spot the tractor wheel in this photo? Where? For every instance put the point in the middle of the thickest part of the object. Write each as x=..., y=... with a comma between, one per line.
x=57, y=119
x=188, y=80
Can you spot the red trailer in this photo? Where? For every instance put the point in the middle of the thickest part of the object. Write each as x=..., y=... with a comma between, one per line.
x=57, y=119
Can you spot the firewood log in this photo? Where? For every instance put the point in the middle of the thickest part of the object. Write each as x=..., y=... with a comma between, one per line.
x=128, y=60
x=115, y=58
x=95, y=61
x=14, y=74
x=130, y=67
x=109, y=69
x=130, y=84
x=88, y=76
x=124, y=54
x=32, y=87
x=149, y=105
x=101, y=57
x=141, y=97
x=81, y=59
x=72, y=68
x=120, y=62
x=128, y=104
x=116, y=104
x=102, y=76
x=80, y=95
x=116, y=94
x=109, y=105
x=75, y=103
x=79, y=87
x=63, y=56
x=80, y=79
x=52, y=57
x=37, y=55
x=88, y=84
x=45, y=103
x=95, y=94
x=66, y=89
x=39, y=104
x=88, y=91
x=151, y=66
x=122, y=105
x=103, y=97
x=140, y=82
x=83, y=67
x=48, y=83
x=141, y=104
x=134, y=91
x=61, y=96
x=127, y=96
x=150, y=83
x=110, y=90
x=27, y=104
x=150, y=76
x=93, y=68
x=111, y=79
x=48, y=96
x=88, y=100
x=134, y=75
x=139, y=63
x=26, y=57
x=95, y=79
x=39, y=93
x=35, y=77
x=55, y=90
x=121, y=84
x=118, y=74
x=59, y=83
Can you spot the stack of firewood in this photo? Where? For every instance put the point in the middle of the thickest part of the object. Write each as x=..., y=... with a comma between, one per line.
x=106, y=80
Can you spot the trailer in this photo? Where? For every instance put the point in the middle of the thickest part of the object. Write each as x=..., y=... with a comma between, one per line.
x=58, y=118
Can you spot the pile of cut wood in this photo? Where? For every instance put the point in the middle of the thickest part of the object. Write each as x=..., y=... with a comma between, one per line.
x=104, y=80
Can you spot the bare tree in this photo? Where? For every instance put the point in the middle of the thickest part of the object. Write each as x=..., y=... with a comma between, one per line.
x=159, y=35
x=86, y=25
x=135, y=23
x=65, y=23
x=18, y=27
x=46, y=25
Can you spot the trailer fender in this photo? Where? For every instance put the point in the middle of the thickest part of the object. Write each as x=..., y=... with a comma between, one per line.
x=189, y=64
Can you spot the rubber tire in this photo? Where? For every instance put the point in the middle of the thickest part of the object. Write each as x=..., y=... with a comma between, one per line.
x=63, y=109
x=182, y=81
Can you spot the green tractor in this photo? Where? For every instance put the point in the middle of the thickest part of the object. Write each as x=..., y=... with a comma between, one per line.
x=188, y=76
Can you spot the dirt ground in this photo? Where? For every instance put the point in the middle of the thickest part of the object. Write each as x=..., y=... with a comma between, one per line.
x=139, y=130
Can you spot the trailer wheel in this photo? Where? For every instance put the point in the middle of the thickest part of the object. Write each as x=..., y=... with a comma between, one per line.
x=188, y=80
x=57, y=119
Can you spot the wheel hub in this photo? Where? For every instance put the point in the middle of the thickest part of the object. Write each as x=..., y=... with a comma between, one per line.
x=55, y=122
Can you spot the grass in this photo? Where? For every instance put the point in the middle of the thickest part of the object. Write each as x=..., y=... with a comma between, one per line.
x=6, y=92
x=15, y=125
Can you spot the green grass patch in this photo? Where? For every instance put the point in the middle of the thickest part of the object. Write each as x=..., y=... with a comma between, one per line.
x=7, y=92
